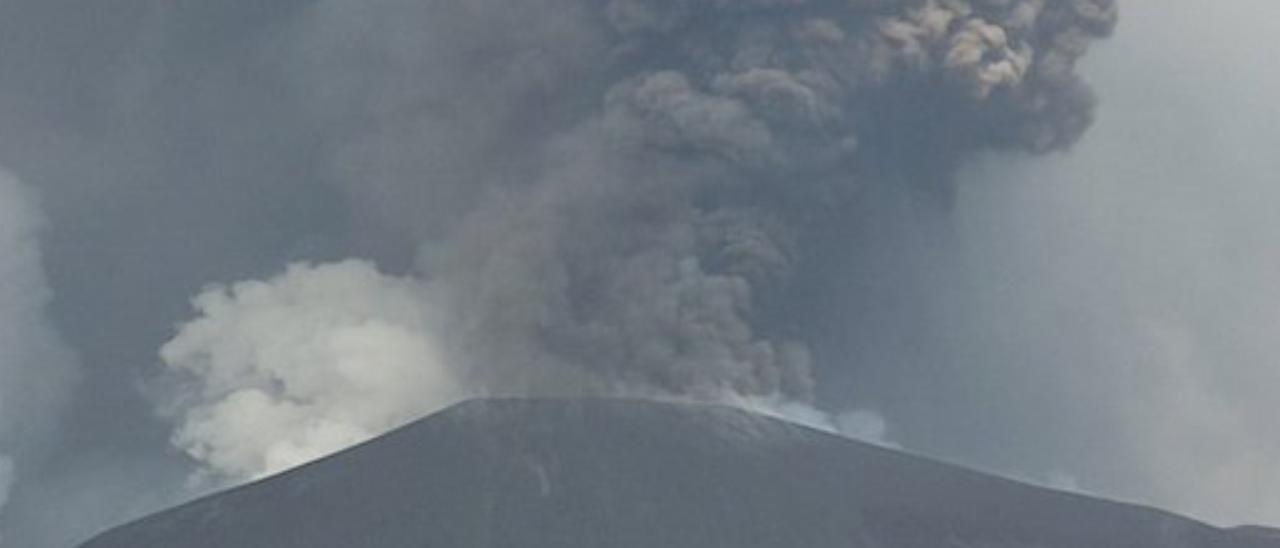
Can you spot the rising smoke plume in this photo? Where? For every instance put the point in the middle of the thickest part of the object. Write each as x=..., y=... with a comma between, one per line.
x=36, y=370
x=606, y=198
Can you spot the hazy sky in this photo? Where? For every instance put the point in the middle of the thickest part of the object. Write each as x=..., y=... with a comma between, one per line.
x=1102, y=318
x=1105, y=315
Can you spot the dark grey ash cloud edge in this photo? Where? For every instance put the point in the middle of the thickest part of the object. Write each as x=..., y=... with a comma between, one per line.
x=570, y=473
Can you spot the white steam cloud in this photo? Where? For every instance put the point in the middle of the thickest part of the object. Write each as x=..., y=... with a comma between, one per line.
x=865, y=425
x=36, y=370
x=321, y=357
x=6, y=480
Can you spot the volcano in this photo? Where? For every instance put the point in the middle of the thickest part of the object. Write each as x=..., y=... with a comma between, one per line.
x=621, y=473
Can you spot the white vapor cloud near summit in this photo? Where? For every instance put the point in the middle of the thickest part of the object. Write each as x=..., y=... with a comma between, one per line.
x=287, y=370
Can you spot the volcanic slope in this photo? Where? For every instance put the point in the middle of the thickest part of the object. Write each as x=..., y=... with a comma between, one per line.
x=621, y=473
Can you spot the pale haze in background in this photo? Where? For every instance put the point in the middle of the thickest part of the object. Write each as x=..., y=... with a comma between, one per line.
x=1103, y=319
x=1137, y=276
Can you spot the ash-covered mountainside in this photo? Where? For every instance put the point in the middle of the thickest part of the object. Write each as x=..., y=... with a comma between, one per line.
x=596, y=473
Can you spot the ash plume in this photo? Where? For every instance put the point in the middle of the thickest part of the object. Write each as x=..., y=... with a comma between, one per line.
x=653, y=232
x=615, y=198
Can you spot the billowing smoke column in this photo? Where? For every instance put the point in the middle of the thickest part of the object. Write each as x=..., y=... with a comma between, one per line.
x=663, y=229
x=610, y=197
x=36, y=370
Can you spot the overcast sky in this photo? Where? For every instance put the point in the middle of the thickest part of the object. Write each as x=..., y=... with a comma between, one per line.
x=1102, y=318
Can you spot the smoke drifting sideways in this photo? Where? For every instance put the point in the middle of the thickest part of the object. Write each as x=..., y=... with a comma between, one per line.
x=37, y=371
x=601, y=198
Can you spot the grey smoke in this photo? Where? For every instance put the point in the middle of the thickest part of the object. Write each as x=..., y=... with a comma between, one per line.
x=627, y=192
x=659, y=231
x=640, y=180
